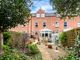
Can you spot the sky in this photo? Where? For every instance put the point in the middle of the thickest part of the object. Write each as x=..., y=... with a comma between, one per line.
x=43, y=4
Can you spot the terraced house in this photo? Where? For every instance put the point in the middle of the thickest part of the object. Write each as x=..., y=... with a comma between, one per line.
x=44, y=24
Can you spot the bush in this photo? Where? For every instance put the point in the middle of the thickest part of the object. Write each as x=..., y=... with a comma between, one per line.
x=14, y=55
x=63, y=38
x=33, y=48
x=6, y=37
x=6, y=48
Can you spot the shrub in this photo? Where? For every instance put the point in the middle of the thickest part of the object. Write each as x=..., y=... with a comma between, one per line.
x=14, y=55
x=5, y=48
x=63, y=38
x=6, y=37
x=33, y=48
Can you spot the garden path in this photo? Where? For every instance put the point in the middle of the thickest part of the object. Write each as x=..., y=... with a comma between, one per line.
x=44, y=52
x=51, y=54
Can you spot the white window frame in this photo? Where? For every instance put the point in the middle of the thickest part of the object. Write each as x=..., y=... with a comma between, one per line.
x=56, y=24
x=78, y=24
x=37, y=15
x=44, y=24
x=42, y=15
x=35, y=23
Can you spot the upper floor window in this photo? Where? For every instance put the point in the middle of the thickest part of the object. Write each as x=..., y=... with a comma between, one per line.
x=37, y=15
x=56, y=24
x=78, y=24
x=42, y=15
x=65, y=24
x=44, y=24
x=36, y=24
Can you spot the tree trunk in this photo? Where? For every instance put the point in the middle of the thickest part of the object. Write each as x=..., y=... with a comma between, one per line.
x=1, y=41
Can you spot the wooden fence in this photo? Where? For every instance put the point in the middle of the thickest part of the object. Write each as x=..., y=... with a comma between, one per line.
x=71, y=36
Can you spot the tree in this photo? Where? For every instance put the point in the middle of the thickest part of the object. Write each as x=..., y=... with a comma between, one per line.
x=12, y=13
x=65, y=8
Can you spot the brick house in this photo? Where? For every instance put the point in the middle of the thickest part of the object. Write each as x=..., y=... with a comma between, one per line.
x=42, y=22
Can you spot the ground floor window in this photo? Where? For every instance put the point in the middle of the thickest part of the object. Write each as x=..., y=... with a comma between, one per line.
x=46, y=34
x=42, y=34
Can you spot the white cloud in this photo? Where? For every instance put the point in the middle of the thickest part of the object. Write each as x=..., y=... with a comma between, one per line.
x=44, y=4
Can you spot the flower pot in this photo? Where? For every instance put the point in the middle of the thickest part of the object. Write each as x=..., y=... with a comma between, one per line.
x=50, y=46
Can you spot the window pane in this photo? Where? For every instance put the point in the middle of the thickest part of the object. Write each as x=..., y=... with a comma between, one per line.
x=42, y=35
x=44, y=24
x=65, y=24
x=36, y=24
x=46, y=34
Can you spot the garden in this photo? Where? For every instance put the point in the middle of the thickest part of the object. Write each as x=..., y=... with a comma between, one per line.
x=16, y=47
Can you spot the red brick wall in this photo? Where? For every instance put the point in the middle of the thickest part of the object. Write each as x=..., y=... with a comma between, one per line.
x=50, y=23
